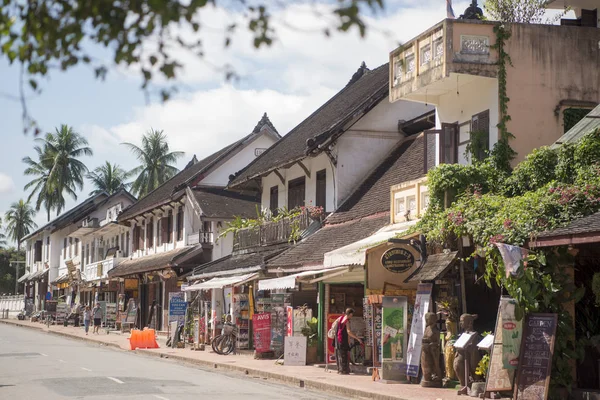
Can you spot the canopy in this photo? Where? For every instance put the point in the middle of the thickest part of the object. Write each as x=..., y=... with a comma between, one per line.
x=37, y=275
x=24, y=277
x=289, y=282
x=64, y=278
x=356, y=253
x=218, y=283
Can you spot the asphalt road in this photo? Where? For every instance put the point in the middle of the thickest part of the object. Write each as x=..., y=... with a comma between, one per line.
x=35, y=365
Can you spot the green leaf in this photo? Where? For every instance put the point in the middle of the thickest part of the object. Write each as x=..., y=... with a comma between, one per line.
x=518, y=312
x=33, y=84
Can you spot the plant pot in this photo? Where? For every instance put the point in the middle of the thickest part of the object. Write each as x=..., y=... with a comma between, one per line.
x=311, y=355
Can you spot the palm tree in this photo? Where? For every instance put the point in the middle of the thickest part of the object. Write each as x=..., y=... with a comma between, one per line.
x=156, y=162
x=107, y=178
x=19, y=219
x=58, y=169
x=2, y=236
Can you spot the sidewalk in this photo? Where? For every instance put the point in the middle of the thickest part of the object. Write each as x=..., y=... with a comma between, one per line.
x=311, y=377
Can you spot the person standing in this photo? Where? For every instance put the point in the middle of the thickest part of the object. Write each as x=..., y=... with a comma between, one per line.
x=97, y=314
x=87, y=317
x=342, y=345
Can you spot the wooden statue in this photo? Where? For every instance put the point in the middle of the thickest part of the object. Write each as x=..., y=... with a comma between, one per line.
x=430, y=353
x=449, y=350
x=470, y=353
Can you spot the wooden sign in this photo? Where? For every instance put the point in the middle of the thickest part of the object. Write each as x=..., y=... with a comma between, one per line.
x=535, y=362
x=498, y=378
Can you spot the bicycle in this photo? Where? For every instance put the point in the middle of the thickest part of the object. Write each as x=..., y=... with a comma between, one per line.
x=357, y=353
x=224, y=344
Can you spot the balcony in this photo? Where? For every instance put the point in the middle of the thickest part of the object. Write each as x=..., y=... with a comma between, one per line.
x=99, y=270
x=200, y=237
x=271, y=233
x=448, y=55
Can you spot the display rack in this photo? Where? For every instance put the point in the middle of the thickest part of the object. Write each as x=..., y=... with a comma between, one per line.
x=241, y=311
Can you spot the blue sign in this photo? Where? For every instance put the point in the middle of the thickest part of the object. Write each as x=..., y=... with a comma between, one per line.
x=177, y=307
x=48, y=296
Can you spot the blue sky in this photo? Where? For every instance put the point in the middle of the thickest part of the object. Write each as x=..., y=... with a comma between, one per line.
x=288, y=81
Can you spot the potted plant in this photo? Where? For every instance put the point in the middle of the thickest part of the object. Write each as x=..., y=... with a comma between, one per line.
x=311, y=331
x=478, y=387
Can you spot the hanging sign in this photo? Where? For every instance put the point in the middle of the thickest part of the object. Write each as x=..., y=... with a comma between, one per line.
x=398, y=260
x=331, y=342
x=535, y=364
x=511, y=333
x=261, y=329
x=417, y=329
x=177, y=307
x=393, y=344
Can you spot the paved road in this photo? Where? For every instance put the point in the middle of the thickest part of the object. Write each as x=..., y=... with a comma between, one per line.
x=36, y=365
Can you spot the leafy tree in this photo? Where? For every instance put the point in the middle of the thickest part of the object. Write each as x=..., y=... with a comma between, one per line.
x=41, y=170
x=19, y=219
x=7, y=270
x=41, y=35
x=520, y=11
x=156, y=162
x=2, y=236
x=107, y=178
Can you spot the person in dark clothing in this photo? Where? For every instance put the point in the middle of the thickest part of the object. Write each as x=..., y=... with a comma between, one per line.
x=341, y=342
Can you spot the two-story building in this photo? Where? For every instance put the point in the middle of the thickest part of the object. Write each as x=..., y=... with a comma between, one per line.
x=57, y=253
x=541, y=78
x=177, y=226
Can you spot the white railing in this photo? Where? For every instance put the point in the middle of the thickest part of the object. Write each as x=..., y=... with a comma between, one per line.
x=14, y=304
x=99, y=269
x=200, y=237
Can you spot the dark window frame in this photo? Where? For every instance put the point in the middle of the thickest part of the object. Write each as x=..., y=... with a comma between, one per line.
x=150, y=233
x=321, y=189
x=274, y=200
x=180, y=224
x=296, y=193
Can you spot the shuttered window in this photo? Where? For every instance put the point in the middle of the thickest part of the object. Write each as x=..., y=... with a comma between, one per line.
x=321, y=190
x=449, y=144
x=296, y=193
x=150, y=233
x=480, y=129
x=274, y=200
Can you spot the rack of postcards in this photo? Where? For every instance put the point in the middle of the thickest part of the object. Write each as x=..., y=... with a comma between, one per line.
x=241, y=312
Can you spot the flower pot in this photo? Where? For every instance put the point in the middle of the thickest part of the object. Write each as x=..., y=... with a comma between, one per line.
x=311, y=354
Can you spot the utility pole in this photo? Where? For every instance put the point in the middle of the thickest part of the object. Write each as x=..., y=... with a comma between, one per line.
x=17, y=274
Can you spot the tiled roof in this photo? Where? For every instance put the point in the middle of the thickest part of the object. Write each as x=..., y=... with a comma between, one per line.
x=192, y=172
x=218, y=202
x=150, y=263
x=330, y=237
x=589, y=224
x=434, y=267
x=358, y=96
x=587, y=124
x=405, y=163
x=237, y=263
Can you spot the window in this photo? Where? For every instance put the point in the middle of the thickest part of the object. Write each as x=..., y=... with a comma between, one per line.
x=76, y=247
x=65, y=248
x=150, y=233
x=70, y=247
x=47, y=248
x=296, y=193
x=411, y=204
x=93, y=252
x=424, y=202
x=480, y=135
x=180, y=224
x=126, y=244
x=274, y=200
x=87, y=253
x=170, y=226
x=159, y=232
x=449, y=144
x=164, y=230
x=321, y=192
x=400, y=207
x=37, y=251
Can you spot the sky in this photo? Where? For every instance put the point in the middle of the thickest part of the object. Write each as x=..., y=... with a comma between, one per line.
x=288, y=81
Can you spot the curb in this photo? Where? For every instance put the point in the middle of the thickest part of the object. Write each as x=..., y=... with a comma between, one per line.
x=303, y=383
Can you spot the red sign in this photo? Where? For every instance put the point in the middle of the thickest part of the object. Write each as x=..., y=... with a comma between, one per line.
x=261, y=325
x=330, y=347
x=290, y=321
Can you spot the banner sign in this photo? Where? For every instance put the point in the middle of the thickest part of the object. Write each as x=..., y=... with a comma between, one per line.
x=393, y=344
x=177, y=307
x=290, y=321
x=261, y=327
x=511, y=333
x=417, y=329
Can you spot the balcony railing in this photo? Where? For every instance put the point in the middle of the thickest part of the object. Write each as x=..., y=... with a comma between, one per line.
x=99, y=269
x=200, y=237
x=271, y=232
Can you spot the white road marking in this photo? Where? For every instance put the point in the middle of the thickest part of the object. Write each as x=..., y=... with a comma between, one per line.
x=160, y=397
x=86, y=369
x=45, y=355
x=115, y=379
x=62, y=361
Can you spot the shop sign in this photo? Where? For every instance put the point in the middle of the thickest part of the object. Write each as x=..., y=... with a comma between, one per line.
x=294, y=351
x=498, y=379
x=417, y=329
x=261, y=328
x=131, y=284
x=511, y=333
x=393, y=344
x=398, y=260
x=177, y=307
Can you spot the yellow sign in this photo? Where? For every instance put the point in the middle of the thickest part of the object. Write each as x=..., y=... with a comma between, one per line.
x=131, y=284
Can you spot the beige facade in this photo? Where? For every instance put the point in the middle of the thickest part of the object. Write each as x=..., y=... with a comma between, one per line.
x=453, y=65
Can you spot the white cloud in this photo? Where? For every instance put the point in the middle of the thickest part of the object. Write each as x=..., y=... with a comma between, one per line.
x=7, y=185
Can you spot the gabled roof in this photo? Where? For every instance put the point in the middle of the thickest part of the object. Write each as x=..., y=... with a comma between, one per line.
x=587, y=124
x=79, y=212
x=365, y=90
x=193, y=172
x=364, y=212
x=217, y=202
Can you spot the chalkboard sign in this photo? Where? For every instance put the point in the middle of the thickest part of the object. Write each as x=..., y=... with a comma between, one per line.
x=62, y=309
x=51, y=306
x=535, y=362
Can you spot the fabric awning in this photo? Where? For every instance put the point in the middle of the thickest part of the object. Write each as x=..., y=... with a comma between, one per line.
x=218, y=283
x=356, y=253
x=289, y=282
x=24, y=277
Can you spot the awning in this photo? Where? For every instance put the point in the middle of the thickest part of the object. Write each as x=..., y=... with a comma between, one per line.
x=356, y=253
x=38, y=274
x=218, y=283
x=154, y=262
x=64, y=278
x=289, y=282
x=435, y=266
x=24, y=277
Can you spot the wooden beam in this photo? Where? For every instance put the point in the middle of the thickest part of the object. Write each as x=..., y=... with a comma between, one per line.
x=281, y=178
x=306, y=170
